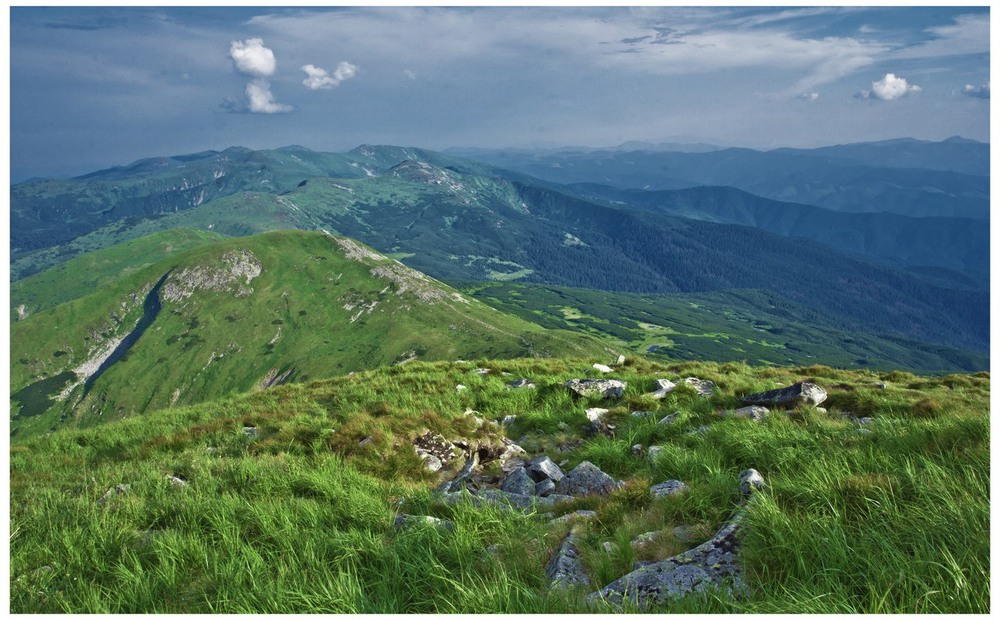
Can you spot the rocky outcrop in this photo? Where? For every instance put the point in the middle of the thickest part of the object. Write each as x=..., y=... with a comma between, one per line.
x=596, y=388
x=802, y=393
x=586, y=479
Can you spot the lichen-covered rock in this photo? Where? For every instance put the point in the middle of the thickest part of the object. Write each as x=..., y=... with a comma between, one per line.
x=597, y=388
x=712, y=564
x=752, y=412
x=750, y=481
x=544, y=468
x=669, y=487
x=519, y=482
x=565, y=569
x=801, y=393
x=704, y=387
x=573, y=516
x=586, y=479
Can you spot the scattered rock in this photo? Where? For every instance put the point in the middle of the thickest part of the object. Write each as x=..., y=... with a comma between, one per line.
x=642, y=414
x=431, y=462
x=176, y=481
x=803, y=392
x=544, y=469
x=118, y=489
x=643, y=540
x=638, y=449
x=704, y=387
x=573, y=516
x=586, y=479
x=752, y=412
x=565, y=569
x=460, y=387
x=670, y=487
x=518, y=482
x=507, y=420
x=865, y=421
x=701, y=430
x=663, y=387
x=407, y=521
x=545, y=488
x=250, y=431
x=569, y=444
x=653, y=452
x=603, y=388
x=750, y=481
x=434, y=450
x=608, y=547
x=456, y=484
x=522, y=383
x=597, y=423
x=365, y=441
x=880, y=386
x=669, y=419
x=482, y=372
x=821, y=410
x=603, y=368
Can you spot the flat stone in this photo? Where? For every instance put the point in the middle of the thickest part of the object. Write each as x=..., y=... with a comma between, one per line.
x=669, y=487
x=603, y=368
x=663, y=387
x=801, y=393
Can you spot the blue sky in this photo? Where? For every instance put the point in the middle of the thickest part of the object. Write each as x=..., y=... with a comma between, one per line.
x=92, y=88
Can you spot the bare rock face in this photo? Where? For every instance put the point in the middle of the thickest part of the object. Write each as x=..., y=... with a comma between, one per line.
x=596, y=388
x=802, y=393
x=586, y=479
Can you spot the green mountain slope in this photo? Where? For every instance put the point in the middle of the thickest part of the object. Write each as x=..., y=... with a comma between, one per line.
x=751, y=326
x=243, y=314
x=91, y=271
x=285, y=500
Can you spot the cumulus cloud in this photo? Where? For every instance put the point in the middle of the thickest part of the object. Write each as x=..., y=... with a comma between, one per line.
x=262, y=100
x=888, y=88
x=251, y=58
x=319, y=79
x=809, y=96
x=980, y=92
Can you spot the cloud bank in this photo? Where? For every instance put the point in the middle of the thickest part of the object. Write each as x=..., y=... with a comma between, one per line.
x=979, y=92
x=319, y=79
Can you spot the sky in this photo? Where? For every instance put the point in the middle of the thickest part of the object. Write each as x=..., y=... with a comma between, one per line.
x=92, y=88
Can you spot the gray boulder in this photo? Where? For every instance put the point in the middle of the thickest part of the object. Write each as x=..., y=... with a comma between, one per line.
x=596, y=417
x=518, y=482
x=750, y=481
x=565, y=569
x=545, y=488
x=670, y=487
x=802, y=393
x=522, y=383
x=596, y=388
x=586, y=479
x=544, y=468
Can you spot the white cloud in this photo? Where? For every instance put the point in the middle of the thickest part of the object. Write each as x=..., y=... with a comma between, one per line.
x=980, y=92
x=262, y=100
x=888, y=88
x=409, y=74
x=318, y=78
x=251, y=58
x=809, y=96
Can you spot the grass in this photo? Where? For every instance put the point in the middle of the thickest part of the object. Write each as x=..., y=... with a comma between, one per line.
x=298, y=517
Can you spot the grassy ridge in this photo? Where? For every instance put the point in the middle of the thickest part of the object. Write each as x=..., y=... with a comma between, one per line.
x=315, y=310
x=298, y=517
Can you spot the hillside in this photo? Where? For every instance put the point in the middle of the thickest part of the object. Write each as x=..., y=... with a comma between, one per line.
x=243, y=314
x=736, y=325
x=461, y=222
x=314, y=498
